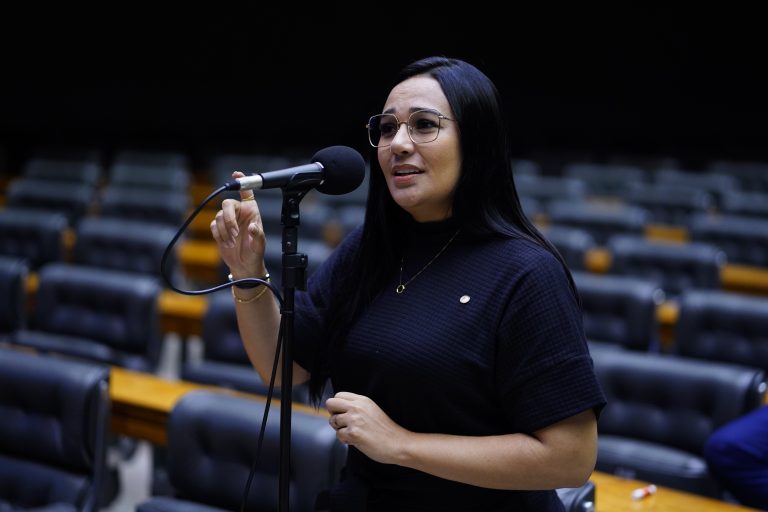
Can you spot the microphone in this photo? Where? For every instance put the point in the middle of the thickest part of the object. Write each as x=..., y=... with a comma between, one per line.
x=334, y=170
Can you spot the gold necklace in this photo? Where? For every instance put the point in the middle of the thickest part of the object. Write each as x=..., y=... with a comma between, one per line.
x=401, y=287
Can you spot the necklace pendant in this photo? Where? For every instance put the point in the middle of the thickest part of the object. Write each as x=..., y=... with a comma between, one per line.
x=400, y=289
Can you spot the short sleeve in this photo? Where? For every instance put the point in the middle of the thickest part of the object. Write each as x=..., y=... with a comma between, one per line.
x=544, y=373
x=311, y=305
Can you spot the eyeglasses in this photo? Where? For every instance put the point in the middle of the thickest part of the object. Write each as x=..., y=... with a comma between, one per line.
x=423, y=126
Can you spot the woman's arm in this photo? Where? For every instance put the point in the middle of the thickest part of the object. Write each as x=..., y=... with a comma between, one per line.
x=560, y=455
x=238, y=231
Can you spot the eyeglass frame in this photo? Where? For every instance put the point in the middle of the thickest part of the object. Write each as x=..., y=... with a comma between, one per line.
x=408, y=130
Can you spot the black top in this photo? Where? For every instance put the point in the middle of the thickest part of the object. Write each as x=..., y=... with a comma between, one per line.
x=487, y=340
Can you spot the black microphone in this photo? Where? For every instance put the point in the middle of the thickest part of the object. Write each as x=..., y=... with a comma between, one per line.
x=334, y=170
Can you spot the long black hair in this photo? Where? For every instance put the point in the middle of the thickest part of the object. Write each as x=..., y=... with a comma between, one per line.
x=485, y=201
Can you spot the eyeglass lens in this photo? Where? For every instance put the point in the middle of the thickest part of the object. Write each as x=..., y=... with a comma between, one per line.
x=423, y=126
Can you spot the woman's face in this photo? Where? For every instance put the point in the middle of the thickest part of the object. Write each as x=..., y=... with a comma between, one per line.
x=421, y=177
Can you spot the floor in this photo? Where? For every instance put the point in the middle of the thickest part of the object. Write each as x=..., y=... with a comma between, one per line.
x=136, y=472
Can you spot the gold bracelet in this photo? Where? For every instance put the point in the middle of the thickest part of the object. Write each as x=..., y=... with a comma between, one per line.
x=252, y=299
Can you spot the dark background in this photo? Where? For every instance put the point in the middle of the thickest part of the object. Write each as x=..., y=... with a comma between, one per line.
x=683, y=82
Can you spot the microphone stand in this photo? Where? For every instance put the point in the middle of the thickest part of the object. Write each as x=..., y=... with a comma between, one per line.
x=294, y=276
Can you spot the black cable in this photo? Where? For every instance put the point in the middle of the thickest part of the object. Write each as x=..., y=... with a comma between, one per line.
x=255, y=280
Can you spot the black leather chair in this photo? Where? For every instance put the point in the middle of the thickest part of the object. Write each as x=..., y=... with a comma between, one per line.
x=547, y=189
x=669, y=204
x=225, y=362
x=160, y=206
x=713, y=183
x=212, y=441
x=36, y=236
x=619, y=310
x=73, y=200
x=661, y=410
x=55, y=416
x=601, y=220
x=13, y=294
x=674, y=266
x=149, y=177
x=578, y=499
x=606, y=180
x=750, y=175
x=126, y=245
x=747, y=204
x=572, y=243
x=744, y=239
x=723, y=326
x=96, y=314
x=63, y=170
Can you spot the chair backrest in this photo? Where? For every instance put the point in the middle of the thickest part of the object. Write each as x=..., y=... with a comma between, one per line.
x=36, y=236
x=55, y=420
x=744, y=239
x=748, y=204
x=620, y=310
x=74, y=200
x=669, y=203
x=676, y=267
x=578, y=499
x=550, y=188
x=13, y=293
x=149, y=177
x=98, y=314
x=605, y=179
x=723, y=326
x=58, y=170
x=127, y=245
x=572, y=243
x=225, y=362
x=164, y=207
x=212, y=441
x=671, y=400
x=600, y=220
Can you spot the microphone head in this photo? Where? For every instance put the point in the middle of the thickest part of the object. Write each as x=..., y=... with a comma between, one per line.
x=343, y=168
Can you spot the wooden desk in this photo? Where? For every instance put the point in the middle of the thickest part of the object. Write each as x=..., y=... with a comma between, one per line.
x=141, y=404
x=613, y=494
x=182, y=314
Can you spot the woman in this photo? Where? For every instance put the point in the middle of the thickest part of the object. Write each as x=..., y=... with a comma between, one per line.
x=449, y=328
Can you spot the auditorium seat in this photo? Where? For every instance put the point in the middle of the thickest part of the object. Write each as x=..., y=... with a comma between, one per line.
x=60, y=170
x=126, y=245
x=95, y=314
x=600, y=220
x=13, y=294
x=723, y=326
x=572, y=243
x=751, y=176
x=578, y=499
x=35, y=236
x=158, y=206
x=674, y=266
x=55, y=417
x=669, y=204
x=746, y=204
x=550, y=188
x=661, y=410
x=711, y=182
x=73, y=200
x=212, y=445
x=619, y=311
x=224, y=360
x=606, y=180
x=744, y=239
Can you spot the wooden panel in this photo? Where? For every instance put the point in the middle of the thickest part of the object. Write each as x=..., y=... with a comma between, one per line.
x=141, y=403
x=614, y=494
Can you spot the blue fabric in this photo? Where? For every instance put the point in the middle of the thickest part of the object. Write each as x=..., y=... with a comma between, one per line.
x=513, y=358
x=737, y=454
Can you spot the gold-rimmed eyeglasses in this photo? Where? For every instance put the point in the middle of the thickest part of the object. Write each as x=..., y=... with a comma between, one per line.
x=423, y=126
